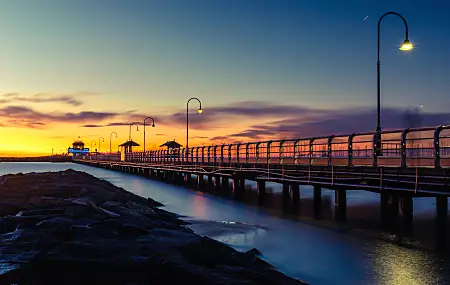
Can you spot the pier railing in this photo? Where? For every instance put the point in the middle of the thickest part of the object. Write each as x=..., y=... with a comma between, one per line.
x=418, y=147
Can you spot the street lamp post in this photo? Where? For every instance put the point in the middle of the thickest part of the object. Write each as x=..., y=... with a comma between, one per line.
x=110, y=136
x=99, y=144
x=153, y=125
x=137, y=129
x=405, y=46
x=187, y=120
x=92, y=141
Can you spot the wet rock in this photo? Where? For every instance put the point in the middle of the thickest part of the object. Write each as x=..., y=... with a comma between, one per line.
x=60, y=226
x=28, y=221
x=7, y=226
x=10, y=207
x=40, y=212
x=253, y=252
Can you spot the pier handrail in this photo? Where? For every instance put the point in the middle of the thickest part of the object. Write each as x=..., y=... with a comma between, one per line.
x=412, y=147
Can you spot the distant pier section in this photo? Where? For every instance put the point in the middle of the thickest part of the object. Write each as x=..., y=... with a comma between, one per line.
x=49, y=158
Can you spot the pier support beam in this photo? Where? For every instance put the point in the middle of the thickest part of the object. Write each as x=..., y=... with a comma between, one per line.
x=286, y=197
x=340, y=203
x=200, y=181
x=294, y=190
x=393, y=212
x=384, y=209
x=225, y=183
x=187, y=179
x=176, y=177
x=317, y=202
x=441, y=222
x=216, y=182
x=261, y=185
x=238, y=186
x=406, y=207
x=242, y=185
x=210, y=182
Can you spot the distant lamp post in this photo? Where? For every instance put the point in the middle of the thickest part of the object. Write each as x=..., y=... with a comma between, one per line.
x=187, y=119
x=110, y=136
x=93, y=141
x=153, y=125
x=99, y=144
x=406, y=46
x=137, y=129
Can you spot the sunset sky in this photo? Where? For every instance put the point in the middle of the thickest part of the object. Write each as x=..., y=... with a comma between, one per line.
x=262, y=69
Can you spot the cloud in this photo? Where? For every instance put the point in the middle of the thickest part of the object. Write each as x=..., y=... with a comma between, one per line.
x=215, y=117
x=335, y=122
x=69, y=99
x=14, y=115
x=24, y=123
x=114, y=124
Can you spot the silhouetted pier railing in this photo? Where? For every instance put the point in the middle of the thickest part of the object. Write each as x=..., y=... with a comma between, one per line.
x=419, y=147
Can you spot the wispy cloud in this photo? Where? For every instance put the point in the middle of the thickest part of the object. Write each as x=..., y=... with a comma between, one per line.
x=214, y=117
x=14, y=116
x=334, y=122
x=69, y=99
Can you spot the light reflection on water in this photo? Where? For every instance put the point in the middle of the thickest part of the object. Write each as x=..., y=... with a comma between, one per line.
x=313, y=254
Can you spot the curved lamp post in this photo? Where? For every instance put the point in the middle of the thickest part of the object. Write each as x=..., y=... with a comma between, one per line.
x=153, y=125
x=137, y=129
x=187, y=119
x=99, y=144
x=110, y=149
x=92, y=141
x=407, y=45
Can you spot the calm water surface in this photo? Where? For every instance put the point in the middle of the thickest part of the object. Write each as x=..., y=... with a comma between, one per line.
x=313, y=254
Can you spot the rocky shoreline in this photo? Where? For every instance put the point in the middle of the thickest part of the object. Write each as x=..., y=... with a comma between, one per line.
x=69, y=227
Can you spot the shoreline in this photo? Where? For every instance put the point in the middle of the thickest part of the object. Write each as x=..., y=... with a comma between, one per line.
x=70, y=227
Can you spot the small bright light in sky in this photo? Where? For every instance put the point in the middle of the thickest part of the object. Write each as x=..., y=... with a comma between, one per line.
x=366, y=18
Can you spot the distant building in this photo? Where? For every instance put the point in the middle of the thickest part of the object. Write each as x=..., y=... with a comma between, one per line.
x=127, y=147
x=78, y=149
x=171, y=145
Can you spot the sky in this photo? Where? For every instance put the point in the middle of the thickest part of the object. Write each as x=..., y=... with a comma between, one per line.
x=263, y=69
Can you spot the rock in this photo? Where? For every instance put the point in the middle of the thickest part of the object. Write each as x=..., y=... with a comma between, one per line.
x=28, y=221
x=130, y=231
x=7, y=226
x=253, y=252
x=40, y=212
x=10, y=207
x=53, y=227
x=60, y=226
x=210, y=253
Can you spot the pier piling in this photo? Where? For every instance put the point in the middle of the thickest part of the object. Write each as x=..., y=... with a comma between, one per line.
x=317, y=202
x=340, y=202
x=261, y=185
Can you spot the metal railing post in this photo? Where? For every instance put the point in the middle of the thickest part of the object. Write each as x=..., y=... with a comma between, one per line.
x=257, y=152
x=437, y=147
x=376, y=139
x=403, y=155
x=295, y=152
x=350, y=149
x=330, y=150
x=311, y=150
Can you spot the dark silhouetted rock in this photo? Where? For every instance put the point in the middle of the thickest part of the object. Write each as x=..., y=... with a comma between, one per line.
x=71, y=228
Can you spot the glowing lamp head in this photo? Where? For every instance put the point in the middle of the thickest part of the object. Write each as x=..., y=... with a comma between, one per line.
x=200, y=111
x=407, y=45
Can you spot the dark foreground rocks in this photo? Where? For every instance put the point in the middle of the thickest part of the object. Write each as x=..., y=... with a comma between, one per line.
x=72, y=228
